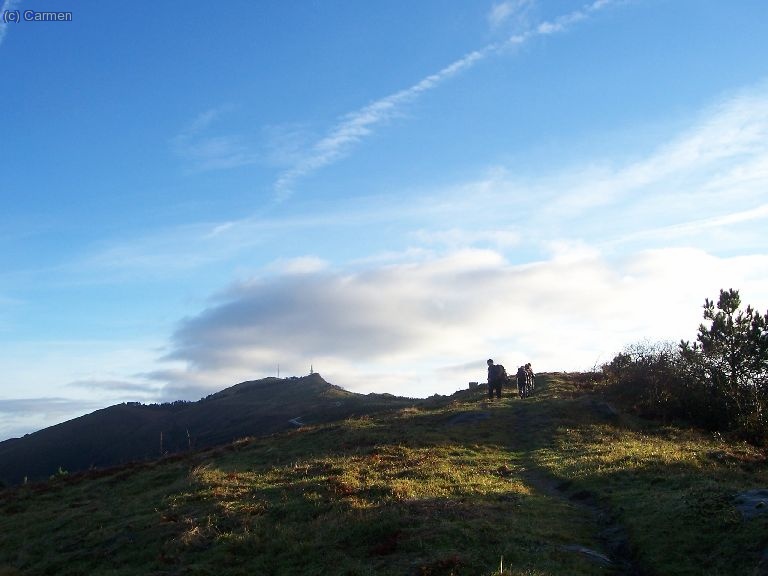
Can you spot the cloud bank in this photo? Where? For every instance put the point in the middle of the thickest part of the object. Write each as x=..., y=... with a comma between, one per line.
x=20, y=415
x=402, y=327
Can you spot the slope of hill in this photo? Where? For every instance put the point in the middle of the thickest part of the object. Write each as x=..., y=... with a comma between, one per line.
x=129, y=432
x=555, y=484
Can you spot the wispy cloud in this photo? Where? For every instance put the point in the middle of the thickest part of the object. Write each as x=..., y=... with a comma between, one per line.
x=564, y=22
x=46, y=406
x=502, y=12
x=356, y=126
x=204, y=151
x=694, y=227
x=7, y=5
x=717, y=165
x=115, y=386
x=171, y=251
x=459, y=237
x=720, y=164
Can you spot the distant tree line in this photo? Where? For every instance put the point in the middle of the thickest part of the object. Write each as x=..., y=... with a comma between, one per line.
x=174, y=406
x=719, y=382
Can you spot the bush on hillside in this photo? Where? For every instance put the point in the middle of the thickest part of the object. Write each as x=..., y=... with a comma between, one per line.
x=719, y=382
x=647, y=377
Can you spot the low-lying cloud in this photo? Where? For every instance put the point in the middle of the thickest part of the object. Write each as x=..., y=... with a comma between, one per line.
x=142, y=388
x=427, y=327
x=20, y=416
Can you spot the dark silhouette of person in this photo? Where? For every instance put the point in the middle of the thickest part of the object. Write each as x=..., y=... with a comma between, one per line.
x=530, y=379
x=522, y=387
x=496, y=377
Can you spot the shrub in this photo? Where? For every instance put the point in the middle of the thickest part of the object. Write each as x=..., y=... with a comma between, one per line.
x=647, y=378
x=719, y=382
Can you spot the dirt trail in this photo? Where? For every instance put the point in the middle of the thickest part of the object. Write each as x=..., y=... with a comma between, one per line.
x=616, y=547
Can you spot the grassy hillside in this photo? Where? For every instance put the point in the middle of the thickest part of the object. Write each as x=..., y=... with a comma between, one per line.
x=552, y=485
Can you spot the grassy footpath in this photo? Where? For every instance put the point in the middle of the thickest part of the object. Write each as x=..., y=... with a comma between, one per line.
x=548, y=484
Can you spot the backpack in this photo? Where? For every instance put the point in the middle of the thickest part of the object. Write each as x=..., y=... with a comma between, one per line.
x=501, y=373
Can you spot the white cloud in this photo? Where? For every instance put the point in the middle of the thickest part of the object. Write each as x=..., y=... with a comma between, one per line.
x=299, y=265
x=398, y=327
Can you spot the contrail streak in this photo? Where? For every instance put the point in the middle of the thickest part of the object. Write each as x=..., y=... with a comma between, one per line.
x=355, y=126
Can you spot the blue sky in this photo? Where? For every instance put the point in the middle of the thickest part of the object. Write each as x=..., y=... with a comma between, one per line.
x=389, y=192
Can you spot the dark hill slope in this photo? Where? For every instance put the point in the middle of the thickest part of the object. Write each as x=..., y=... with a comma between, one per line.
x=129, y=432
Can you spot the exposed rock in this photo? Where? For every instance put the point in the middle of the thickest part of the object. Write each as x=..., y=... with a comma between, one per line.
x=752, y=503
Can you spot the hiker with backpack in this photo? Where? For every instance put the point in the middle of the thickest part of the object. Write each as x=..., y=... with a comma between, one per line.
x=497, y=375
x=530, y=379
x=522, y=387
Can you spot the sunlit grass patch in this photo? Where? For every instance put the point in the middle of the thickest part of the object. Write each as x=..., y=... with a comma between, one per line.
x=397, y=499
x=672, y=488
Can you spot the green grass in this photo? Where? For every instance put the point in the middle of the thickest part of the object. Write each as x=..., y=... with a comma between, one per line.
x=408, y=493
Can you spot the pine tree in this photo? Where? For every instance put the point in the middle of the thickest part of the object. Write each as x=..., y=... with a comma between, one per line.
x=732, y=352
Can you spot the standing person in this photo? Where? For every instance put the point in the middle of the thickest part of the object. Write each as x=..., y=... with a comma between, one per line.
x=530, y=378
x=496, y=377
x=522, y=389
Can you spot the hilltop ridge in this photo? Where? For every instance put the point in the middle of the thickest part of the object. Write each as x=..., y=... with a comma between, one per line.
x=132, y=432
